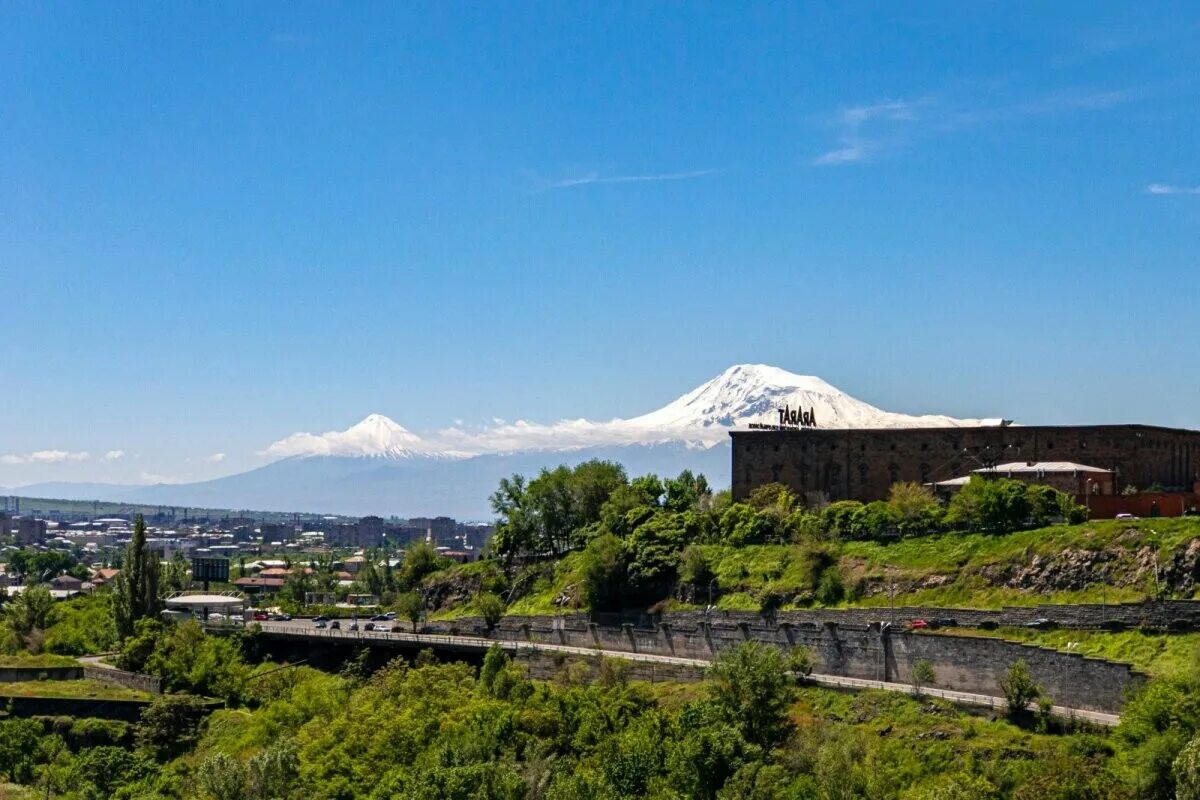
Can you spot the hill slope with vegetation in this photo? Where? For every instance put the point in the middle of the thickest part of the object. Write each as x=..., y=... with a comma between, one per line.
x=590, y=538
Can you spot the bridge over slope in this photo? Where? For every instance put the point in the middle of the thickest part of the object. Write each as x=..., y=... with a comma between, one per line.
x=846, y=658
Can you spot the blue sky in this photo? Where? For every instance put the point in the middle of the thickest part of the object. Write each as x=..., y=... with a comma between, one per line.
x=222, y=223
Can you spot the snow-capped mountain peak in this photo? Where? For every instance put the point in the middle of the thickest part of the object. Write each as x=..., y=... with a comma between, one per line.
x=376, y=436
x=751, y=393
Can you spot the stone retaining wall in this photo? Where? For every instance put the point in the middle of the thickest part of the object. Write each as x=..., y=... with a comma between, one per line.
x=1165, y=615
x=130, y=680
x=542, y=665
x=874, y=652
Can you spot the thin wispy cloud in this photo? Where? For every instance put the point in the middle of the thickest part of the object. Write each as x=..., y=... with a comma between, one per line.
x=1169, y=188
x=868, y=130
x=215, y=458
x=864, y=129
x=45, y=457
x=596, y=179
x=113, y=455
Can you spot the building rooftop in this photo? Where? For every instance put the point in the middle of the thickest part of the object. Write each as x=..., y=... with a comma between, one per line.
x=1043, y=467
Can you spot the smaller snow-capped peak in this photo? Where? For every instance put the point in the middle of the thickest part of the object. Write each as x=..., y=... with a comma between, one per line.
x=376, y=436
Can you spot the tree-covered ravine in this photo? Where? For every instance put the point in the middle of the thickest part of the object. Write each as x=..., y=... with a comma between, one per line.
x=233, y=724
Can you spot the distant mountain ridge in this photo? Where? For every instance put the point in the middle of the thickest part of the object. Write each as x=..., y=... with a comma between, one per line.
x=378, y=466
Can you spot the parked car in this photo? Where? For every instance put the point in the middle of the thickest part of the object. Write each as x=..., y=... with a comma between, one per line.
x=335, y=625
x=918, y=624
x=382, y=629
x=261, y=616
x=944, y=622
x=1125, y=515
x=281, y=617
x=391, y=615
x=321, y=624
x=379, y=618
x=1040, y=623
x=320, y=618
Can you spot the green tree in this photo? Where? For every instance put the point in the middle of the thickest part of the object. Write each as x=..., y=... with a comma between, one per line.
x=1186, y=770
x=694, y=568
x=420, y=560
x=687, y=492
x=175, y=576
x=411, y=607
x=28, y=611
x=222, y=777
x=775, y=497
x=170, y=725
x=544, y=514
x=1019, y=688
x=272, y=772
x=491, y=608
x=19, y=748
x=135, y=593
x=741, y=525
x=837, y=519
x=915, y=508
x=602, y=572
x=922, y=674
x=751, y=686
x=654, y=548
x=800, y=661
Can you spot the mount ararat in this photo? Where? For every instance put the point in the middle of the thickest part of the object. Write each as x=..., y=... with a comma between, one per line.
x=379, y=467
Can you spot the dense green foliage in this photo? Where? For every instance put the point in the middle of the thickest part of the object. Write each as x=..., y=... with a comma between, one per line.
x=186, y=659
x=640, y=541
x=440, y=732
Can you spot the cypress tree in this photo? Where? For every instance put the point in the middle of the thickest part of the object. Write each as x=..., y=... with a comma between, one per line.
x=136, y=592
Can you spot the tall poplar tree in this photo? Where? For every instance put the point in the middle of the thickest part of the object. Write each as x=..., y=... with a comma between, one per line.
x=135, y=594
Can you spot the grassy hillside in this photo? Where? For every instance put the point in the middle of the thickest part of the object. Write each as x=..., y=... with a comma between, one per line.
x=1102, y=561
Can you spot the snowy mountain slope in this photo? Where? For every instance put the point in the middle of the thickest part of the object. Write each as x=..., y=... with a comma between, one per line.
x=703, y=417
x=376, y=436
x=751, y=392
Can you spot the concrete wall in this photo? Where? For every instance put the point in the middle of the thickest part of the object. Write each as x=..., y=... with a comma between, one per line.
x=25, y=674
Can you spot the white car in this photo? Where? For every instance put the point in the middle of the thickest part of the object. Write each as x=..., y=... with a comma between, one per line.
x=1124, y=515
x=380, y=628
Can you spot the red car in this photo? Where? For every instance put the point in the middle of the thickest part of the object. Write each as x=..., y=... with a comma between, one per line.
x=918, y=624
x=260, y=616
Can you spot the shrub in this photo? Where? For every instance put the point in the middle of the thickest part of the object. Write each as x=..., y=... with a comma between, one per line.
x=1019, y=688
x=922, y=674
x=491, y=608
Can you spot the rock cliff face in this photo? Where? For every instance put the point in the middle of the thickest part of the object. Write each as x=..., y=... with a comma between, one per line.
x=1128, y=563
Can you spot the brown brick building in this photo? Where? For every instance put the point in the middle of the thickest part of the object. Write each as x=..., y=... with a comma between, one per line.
x=862, y=464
